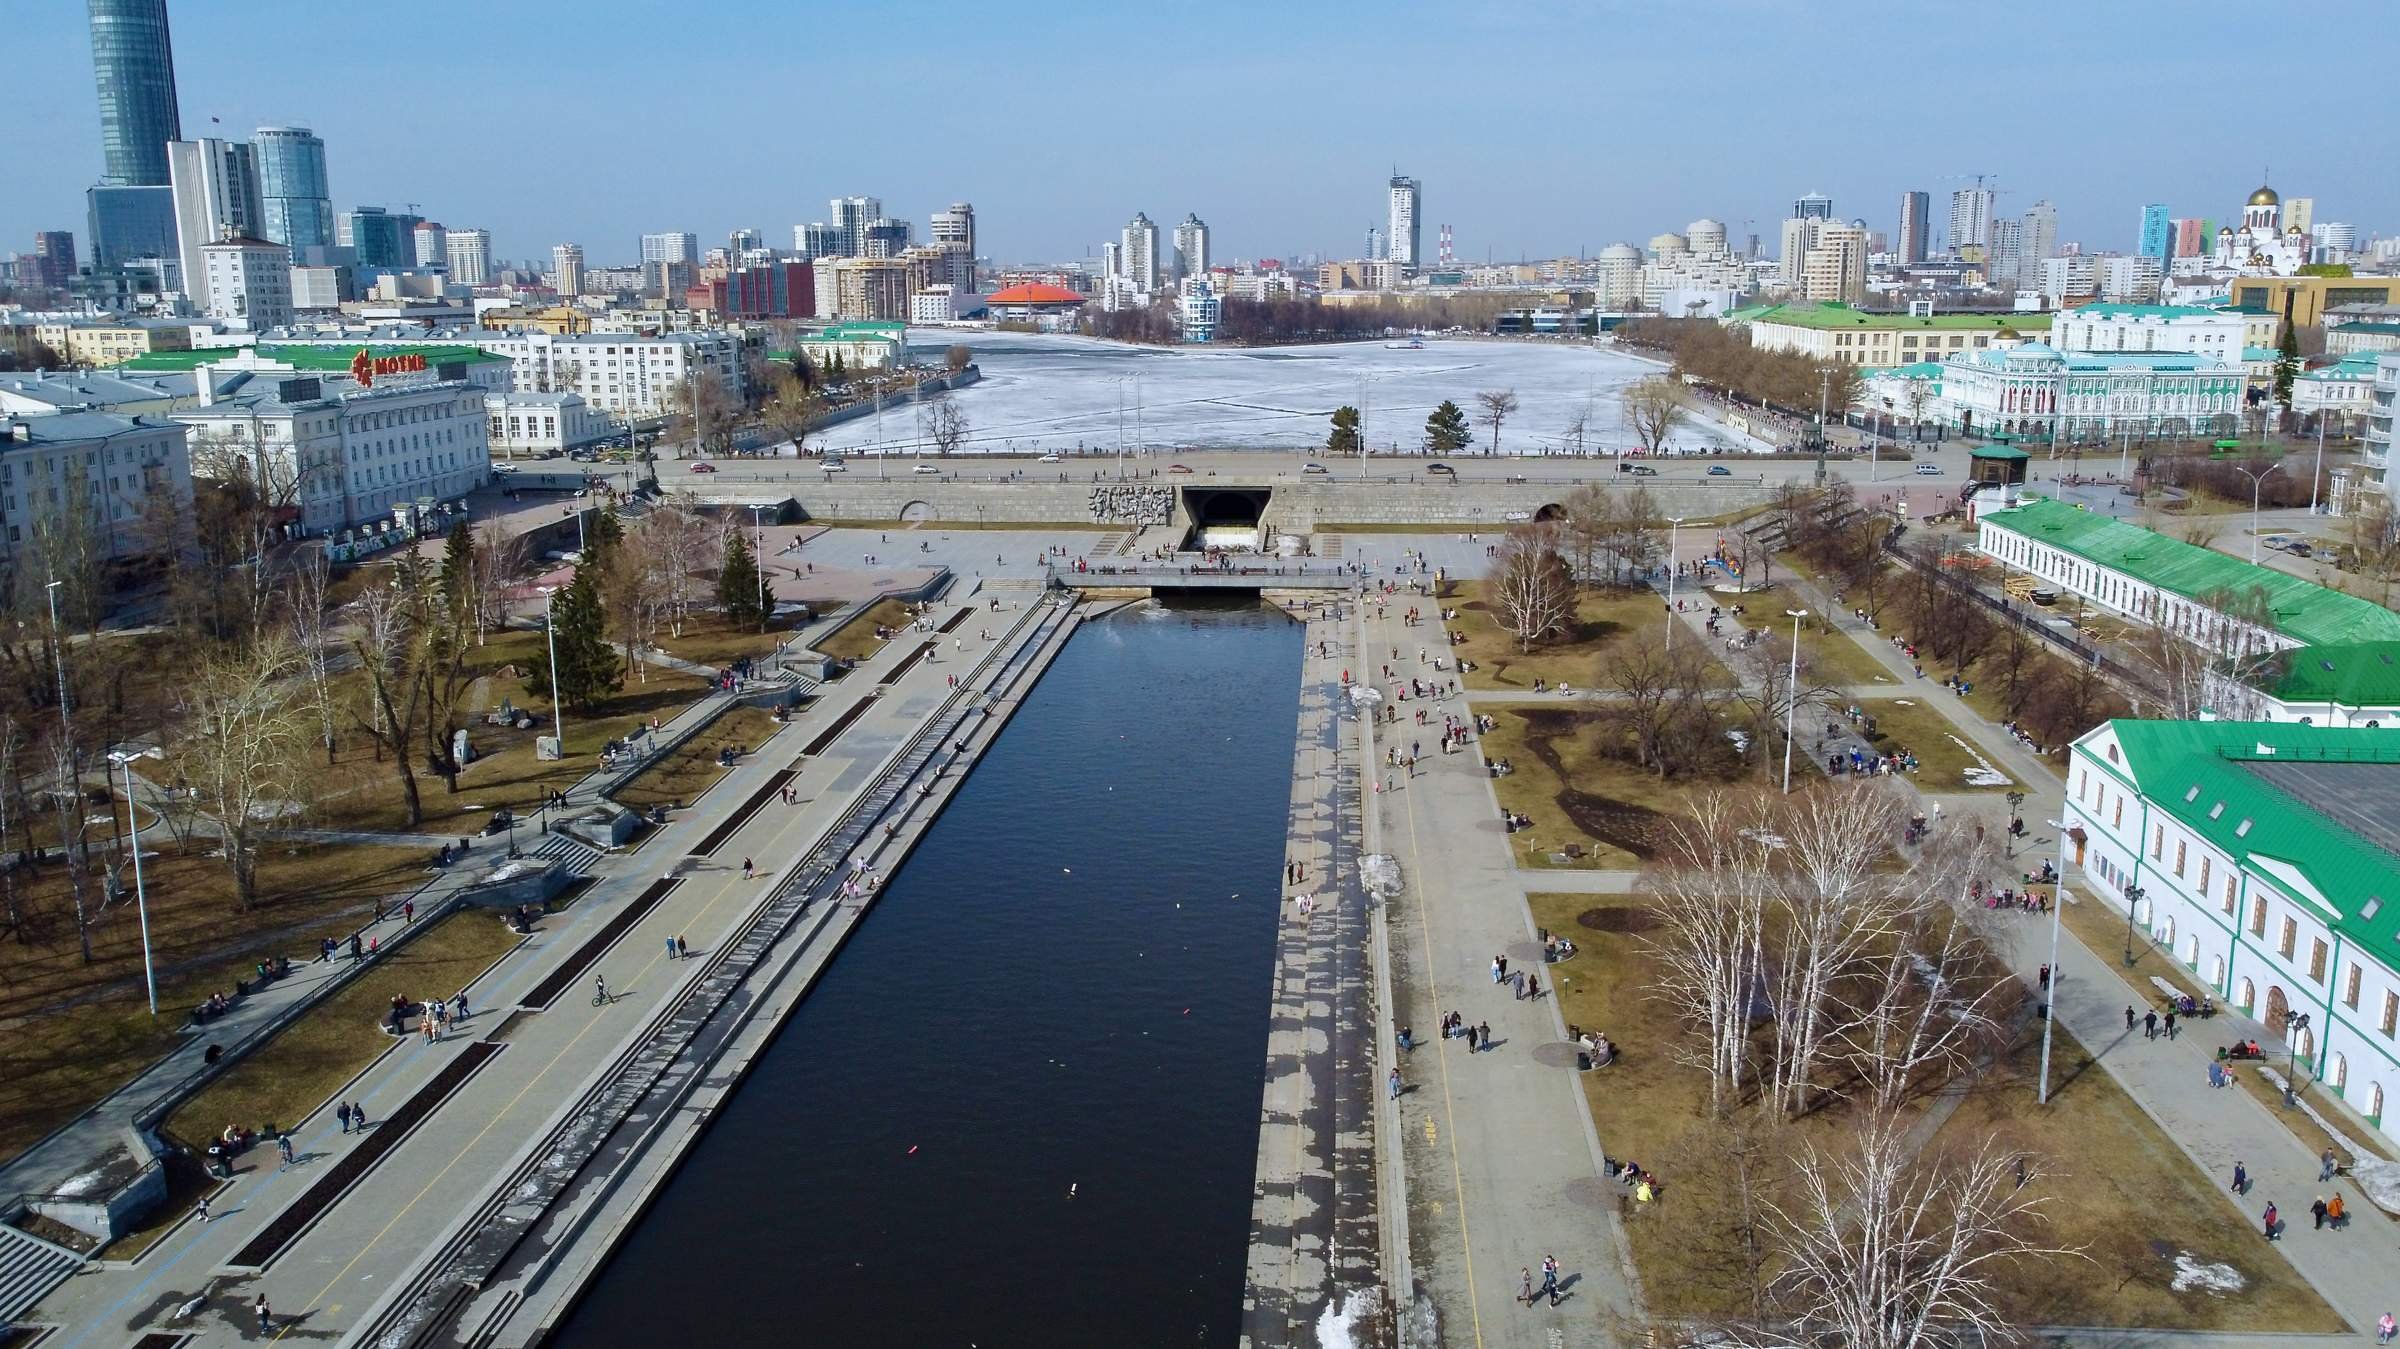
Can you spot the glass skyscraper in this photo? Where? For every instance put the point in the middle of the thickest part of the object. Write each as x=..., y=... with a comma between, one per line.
x=291, y=187
x=134, y=63
x=2157, y=234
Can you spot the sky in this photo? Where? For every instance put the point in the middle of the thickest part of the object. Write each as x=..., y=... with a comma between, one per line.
x=1540, y=128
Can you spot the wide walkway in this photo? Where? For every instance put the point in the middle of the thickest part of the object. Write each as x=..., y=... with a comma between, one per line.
x=332, y=1274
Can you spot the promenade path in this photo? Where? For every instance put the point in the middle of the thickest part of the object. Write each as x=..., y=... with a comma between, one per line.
x=330, y=1276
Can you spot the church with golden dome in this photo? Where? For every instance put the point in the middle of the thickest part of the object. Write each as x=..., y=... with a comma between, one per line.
x=2264, y=245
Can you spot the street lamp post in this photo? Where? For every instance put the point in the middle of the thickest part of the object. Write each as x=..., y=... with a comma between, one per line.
x=1673, y=525
x=2293, y=1025
x=758, y=548
x=2317, y=474
x=141, y=898
x=2134, y=895
x=1791, y=697
x=558, y=717
x=2258, y=481
x=2058, y=904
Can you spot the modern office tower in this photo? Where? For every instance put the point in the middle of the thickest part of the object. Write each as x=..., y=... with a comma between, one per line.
x=2037, y=239
x=125, y=223
x=1191, y=246
x=885, y=238
x=742, y=241
x=429, y=245
x=1971, y=218
x=1814, y=206
x=1141, y=252
x=566, y=270
x=1705, y=236
x=1914, y=226
x=671, y=246
x=380, y=238
x=133, y=61
x=818, y=239
x=2003, y=254
x=53, y=258
x=470, y=256
x=298, y=207
x=953, y=231
x=1374, y=251
x=851, y=216
x=1404, y=241
x=2157, y=236
x=216, y=197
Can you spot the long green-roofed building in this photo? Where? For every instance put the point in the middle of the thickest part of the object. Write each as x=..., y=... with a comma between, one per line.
x=1877, y=338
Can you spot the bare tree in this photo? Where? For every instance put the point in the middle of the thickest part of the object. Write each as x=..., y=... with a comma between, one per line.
x=246, y=745
x=943, y=425
x=1498, y=406
x=791, y=411
x=312, y=637
x=1714, y=890
x=958, y=358
x=1652, y=407
x=1531, y=584
x=391, y=636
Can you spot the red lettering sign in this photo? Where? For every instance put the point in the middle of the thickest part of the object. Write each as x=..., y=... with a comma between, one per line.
x=366, y=367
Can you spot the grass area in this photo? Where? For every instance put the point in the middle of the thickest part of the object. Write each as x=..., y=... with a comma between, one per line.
x=680, y=777
x=2102, y=930
x=2126, y=1183
x=1616, y=811
x=1943, y=758
x=1834, y=657
x=1604, y=621
x=76, y=1031
x=312, y=1056
x=709, y=640
x=361, y=792
x=855, y=639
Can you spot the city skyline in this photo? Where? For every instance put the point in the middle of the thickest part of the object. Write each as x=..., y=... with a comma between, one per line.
x=1490, y=168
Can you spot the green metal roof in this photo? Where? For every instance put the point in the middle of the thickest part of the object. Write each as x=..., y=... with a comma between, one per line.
x=1996, y=452
x=2353, y=674
x=331, y=359
x=2199, y=772
x=1831, y=315
x=2149, y=311
x=2303, y=610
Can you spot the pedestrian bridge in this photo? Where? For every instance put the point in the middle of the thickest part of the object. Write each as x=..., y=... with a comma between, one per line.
x=1265, y=574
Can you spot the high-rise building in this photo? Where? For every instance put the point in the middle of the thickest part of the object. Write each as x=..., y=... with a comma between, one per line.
x=818, y=240
x=216, y=197
x=2003, y=257
x=2300, y=213
x=1141, y=252
x=1914, y=225
x=1191, y=246
x=2155, y=239
x=851, y=216
x=125, y=223
x=292, y=187
x=470, y=256
x=1836, y=265
x=378, y=237
x=884, y=237
x=1706, y=236
x=429, y=244
x=742, y=241
x=1375, y=245
x=671, y=246
x=133, y=60
x=2037, y=239
x=954, y=232
x=248, y=280
x=1813, y=206
x=53, y=258
x=1404, y=241
x=1799, y=236
x=2185, y=237
x=1971, y=220
x=566, y=270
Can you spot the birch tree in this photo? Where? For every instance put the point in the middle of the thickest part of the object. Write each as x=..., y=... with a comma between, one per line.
x=248, y=727
x=389, y=635
x=1830, y=918
x=1713, y=894
x=1531, y=584
x=312, y=637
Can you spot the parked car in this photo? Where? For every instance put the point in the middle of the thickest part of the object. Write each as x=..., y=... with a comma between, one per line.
x=833, y=463
x=924, y=468
x=1179, y=468
x=1719, y=471
x=1929, y=470
x=504, y=468
x=704, y=468
x=1443, y=470
x=1051, y=458
x=1641, y=470
x=1312, y=468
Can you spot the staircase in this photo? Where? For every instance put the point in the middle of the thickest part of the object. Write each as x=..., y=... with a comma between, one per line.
x=29, y=1268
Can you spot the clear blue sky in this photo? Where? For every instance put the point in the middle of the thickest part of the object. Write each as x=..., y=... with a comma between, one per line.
x=1538, y=128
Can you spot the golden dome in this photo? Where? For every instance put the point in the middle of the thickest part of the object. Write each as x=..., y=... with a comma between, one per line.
x=2265, y=196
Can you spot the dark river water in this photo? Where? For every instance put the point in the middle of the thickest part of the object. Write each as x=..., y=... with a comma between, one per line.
x=1021, y=1107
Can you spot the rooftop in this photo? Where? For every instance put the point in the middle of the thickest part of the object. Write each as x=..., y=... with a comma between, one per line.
x=2145, y=311
x=69, y=428
x=332, y=359
x=1831, y=315
x=2303, y=610
x=1034, y=292
x=2352, y=674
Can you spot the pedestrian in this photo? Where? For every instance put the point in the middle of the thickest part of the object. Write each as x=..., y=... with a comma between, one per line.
x=1533, y=986
x=1503, y=962
x=202, y=1212
x=341, y=1111
x=461, y=1000
x=2325, y=1164
x=2386, y=1328
x=2317, y=1210
x=1393, y=1082
x=2241, y=1178
x=1525, y=1284
x=1470, y=1037
x=266, y=1315
x=1516, y=986
x=683, y=949
x=1483, y=1035
x=357, y=952
x=1495, y=969
x=2170, y=1023
x=670, y=948
x=2149, y=1025
x=358, y=1117
x=2270, y=1219
x=2129, y=1016
x=1550, y=1277
x=408, y=913
x=747, y=869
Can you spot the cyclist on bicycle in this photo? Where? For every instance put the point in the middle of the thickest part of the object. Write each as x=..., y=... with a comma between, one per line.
x=599, y=990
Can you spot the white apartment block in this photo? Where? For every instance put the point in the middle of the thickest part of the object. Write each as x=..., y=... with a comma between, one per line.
x=247, y=281
x=343, y=455
x=2149, y=327
x=116, y=466
x=628, y=375
x=469, y=253
x=535, y=425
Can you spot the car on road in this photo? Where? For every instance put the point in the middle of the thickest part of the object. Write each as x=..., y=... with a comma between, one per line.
x=504, y=468
x=1312, y=468
x=1929, y=470
x=1179, y=468
x=833, y=463
x=1719, y=471
x=923, y=468
x=703, y=468
x=1052, y=458
x=1443, y=470
x=1641, y=470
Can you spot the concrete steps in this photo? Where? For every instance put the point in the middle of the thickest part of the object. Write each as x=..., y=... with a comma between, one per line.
x=575, y=854
x=29, y=1268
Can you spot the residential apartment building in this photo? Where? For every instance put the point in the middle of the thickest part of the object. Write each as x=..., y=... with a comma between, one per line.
x=1836, y=265
x=1139, y=253
x=2265, y=858
x=1405, y=235
x=566, y=270
x=469, y=256
x=1191, y=247
x=96, y=345
x=2375, y=449
x=870, y=289
x=344, y=455
x=1911, y=243
x=630, y=376
x=535, y=425
x=246, y=281
x=115, y=468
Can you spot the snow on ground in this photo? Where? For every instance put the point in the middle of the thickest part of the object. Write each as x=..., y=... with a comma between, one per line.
x=1057, y=393
x=2191, y=1274
x=1336, y=1327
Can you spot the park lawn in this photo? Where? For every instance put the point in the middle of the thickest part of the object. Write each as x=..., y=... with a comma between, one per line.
x=77, y=1032
x=1832, y=656
x=362, y=792
x=2102, y=931
x=711, y=641
x=2122, y=1190
x=1605, y=621
x=1943, y=754
x=680, y=777
x=855, y=639
x=1616, y=810
x=280, y=1082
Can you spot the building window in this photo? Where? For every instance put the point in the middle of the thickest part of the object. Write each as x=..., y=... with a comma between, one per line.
x=2316, y=960
x=2391, y=1013
x=2179, y=857
x=2229, y=887
x=2350, y=989
x=2258, y=916
x=2203, y=886
x=2289, y=940
x=2158, y=842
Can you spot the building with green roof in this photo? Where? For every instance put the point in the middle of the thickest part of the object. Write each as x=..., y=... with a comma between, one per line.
x=2340, y=684
x=1878, y=339
x=310, y=359
x=2264, y=856
x=2234, y=608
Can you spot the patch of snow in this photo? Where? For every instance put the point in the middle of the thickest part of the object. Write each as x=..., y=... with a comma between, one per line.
x=85, y=1182
x=1381, y=874
x=2191, y=1275
x=1360, y=694
x=1982, y=774
x=1336, y=1326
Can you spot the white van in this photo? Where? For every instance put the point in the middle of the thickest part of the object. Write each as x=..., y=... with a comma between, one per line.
x=1929, y=470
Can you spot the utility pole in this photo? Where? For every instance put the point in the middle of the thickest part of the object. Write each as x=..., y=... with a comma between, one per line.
x=1824, y=402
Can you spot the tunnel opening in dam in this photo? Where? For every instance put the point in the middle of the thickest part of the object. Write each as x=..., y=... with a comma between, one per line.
x=1227, y=517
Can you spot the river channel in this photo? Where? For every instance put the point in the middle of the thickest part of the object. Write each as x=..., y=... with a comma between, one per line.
x=1021, y=1108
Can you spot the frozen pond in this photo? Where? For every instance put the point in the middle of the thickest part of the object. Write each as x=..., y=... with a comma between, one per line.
x=1042, y=393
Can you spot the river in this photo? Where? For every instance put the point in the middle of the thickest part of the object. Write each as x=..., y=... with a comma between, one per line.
x=1021, y=1107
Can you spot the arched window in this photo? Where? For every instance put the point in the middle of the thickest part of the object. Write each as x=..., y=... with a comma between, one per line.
x=2338, y=1072
x=2216, y=970
x=2246, y=996
x=2375, y=1102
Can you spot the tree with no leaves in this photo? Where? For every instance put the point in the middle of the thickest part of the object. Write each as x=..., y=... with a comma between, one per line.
x=246, y=748
x=945, y=427
x=1531, y=584
x=957, y=358
x=791, y=411
x=1652, y=407
x=1498, y=406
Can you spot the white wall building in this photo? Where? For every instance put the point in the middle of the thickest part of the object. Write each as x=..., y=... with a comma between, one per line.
x=2149, y=327
x=2348, y=684
x=344, y=455
x=2383, y=408
x=117, y=466
x=1140, y=253
x=538, y=424
x=936, y=303
x=566, y=270
x=2265, y=858
x=469, y=253
x=2031, y=389
x=216, y=196
x=1191, y=247
x=247, y=281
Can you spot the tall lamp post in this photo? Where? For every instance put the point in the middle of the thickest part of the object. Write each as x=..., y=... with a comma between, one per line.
x=2293, y=1025
x=2317, y=474
x=558, y=717
x=141, y=899
x=1791, y=697
x=1673, y=525
x=2258, y=481
x=2058, y=904
x=2134, y=895
x=758, y=547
